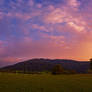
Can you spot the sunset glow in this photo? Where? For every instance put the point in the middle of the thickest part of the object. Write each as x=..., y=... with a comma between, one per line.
x=45, y=29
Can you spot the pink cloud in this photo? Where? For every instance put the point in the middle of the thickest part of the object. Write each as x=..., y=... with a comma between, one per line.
x=69, y=16
x=39, y=5
x=41, y=28
x=56, y=16
x=73, y=3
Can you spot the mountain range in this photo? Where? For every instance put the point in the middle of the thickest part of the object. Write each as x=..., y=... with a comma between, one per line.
x=41, y=64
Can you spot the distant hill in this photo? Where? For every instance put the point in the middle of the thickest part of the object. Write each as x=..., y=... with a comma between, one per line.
x=39, y=65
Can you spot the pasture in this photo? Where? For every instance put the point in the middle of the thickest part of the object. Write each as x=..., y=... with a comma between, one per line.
x=45, y=83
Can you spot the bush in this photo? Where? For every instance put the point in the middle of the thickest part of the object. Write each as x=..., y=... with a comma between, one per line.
x=58, y=69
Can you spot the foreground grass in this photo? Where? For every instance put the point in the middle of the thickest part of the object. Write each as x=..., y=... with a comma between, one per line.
x=45, y=83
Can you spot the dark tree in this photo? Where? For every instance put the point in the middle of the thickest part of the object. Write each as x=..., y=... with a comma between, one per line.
x=91, y=64
x=58, y=69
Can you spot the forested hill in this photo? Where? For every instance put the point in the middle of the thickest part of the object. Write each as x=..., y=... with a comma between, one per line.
x=38, y=65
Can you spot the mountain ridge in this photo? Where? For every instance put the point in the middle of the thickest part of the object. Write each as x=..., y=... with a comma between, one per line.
x=41, y=64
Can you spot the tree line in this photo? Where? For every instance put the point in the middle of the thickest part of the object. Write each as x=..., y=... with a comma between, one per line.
x=58, y=69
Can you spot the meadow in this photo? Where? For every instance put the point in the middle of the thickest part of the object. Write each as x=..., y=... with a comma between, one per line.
x=45, y=83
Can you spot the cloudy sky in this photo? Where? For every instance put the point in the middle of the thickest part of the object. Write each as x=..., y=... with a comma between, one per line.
x=45, y=29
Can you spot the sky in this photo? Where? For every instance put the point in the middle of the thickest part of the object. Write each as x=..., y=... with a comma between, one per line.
x=45, y=29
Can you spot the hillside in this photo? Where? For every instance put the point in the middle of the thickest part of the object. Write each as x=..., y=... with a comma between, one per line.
x=39, y=65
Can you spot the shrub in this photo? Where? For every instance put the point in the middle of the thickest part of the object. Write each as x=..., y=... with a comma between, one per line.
x=58, y=69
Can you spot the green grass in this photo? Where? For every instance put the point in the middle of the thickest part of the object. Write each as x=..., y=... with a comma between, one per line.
x=45, y=83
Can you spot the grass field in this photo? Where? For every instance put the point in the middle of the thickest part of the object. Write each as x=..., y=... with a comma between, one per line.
x=45, y=83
